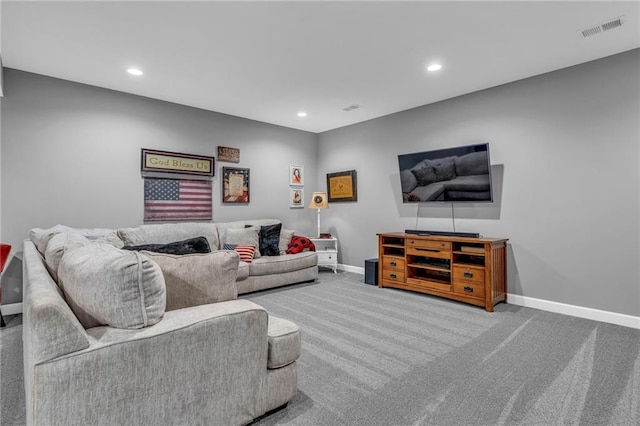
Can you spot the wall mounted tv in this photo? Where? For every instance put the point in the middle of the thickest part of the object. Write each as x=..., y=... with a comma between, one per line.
x=460, y=174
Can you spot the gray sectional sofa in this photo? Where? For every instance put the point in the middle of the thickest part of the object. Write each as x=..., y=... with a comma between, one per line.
x=464, y=177
x=114, y=336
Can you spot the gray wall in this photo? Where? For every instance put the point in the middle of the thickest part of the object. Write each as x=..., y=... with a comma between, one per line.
x=564, y=149
x=71, y=155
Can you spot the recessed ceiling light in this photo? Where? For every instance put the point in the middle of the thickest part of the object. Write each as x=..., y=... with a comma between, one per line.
x=134, y=71
x=302, y=114
x=434, y=67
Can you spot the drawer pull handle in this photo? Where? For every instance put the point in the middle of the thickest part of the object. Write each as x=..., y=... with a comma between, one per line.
x=393, y=263
x=468, y=274
x=468, y=289
x=426, y=249
x=393, y=275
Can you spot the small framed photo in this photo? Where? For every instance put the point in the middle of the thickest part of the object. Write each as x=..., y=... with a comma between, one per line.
x=296, y=175
x=235, y=185
x=296, y=198
x=342, y=186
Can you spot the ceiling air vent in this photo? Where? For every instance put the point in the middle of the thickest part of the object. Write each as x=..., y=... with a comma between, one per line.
x=351, y=107
x=605, y=26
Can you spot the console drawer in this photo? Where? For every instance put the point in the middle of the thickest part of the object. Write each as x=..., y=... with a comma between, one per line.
x=393, y=275
x=469, y=289
x=468, y=274
x=429, y=245
x=429, y=252
x=393, y=263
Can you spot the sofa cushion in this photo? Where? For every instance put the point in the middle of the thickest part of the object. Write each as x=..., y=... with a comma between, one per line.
x=283, y=263
x=57, y=246
x=474, y=163
x=189, y=246
x=104, y=285
x=270, y=239
x=408, y=180
x=285, y=240
x=284, y=342
x=243, y=271
x=197, y=279
x=164, y=233
x=244, y=236
x=299, y=244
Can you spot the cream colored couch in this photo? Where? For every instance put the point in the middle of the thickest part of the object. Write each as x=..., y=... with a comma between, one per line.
x=120, y=337
x=262, y=273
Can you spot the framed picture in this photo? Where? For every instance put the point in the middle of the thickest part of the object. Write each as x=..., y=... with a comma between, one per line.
x=235, y=185
x=342, y=186
x=153, y=160
x=228, y=154
x=296, y=175
x=296, y=198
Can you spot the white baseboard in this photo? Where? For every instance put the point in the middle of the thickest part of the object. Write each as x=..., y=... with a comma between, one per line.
x=549, y=306
x=349, y=268
x=11, y=309
x=576, y=311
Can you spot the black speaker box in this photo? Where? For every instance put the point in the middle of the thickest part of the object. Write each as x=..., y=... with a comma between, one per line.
x=371, y=271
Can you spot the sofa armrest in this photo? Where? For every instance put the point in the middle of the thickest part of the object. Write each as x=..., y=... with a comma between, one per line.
x=50, y=328
x=202, y=364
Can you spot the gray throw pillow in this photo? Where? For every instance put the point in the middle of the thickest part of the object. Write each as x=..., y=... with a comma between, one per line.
x=198, y=279
x=445, y=171
x=285, y=240
x=104, y=285
x=244, y=236
x=424, y=176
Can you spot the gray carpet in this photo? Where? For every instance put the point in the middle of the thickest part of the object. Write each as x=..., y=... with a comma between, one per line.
x=375, y=356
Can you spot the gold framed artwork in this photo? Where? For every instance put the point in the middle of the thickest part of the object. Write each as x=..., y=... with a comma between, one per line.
x=342, y=186
x=176, y=162
x=235, y=185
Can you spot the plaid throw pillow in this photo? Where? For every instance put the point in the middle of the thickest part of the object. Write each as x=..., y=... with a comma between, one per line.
x=299, y=244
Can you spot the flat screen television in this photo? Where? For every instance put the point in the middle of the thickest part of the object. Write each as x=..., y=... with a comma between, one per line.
x=460, y=174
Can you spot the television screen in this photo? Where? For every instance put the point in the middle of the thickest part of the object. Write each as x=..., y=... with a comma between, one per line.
x=451, y=174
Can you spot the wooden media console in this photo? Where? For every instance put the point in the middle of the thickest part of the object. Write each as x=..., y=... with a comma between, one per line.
x=470, y=270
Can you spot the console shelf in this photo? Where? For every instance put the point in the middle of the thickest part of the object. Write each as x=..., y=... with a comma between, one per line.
x=470, y=270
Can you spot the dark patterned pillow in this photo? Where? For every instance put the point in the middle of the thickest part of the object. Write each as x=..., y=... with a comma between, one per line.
x=189, y=246
x=299, y=244
x=269, y=237
x=424, y=175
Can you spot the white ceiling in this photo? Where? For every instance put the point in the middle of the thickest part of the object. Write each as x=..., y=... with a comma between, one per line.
x=268, y=60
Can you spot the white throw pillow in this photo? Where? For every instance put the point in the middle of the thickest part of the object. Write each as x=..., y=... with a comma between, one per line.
x=104, y=285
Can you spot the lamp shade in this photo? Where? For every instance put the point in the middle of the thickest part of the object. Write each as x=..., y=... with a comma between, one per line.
x=318, y=201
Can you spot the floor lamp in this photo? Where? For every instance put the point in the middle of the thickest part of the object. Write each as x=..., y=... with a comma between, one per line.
x=319, y=201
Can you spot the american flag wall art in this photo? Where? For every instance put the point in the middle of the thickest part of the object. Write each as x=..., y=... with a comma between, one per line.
x=177, y=199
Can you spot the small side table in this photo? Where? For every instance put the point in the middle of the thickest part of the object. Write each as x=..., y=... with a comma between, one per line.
x=327, y=249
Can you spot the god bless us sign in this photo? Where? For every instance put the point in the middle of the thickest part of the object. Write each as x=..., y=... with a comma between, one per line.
x=176, y=162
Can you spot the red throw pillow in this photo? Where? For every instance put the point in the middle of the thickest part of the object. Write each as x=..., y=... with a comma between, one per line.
x=299, y=244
